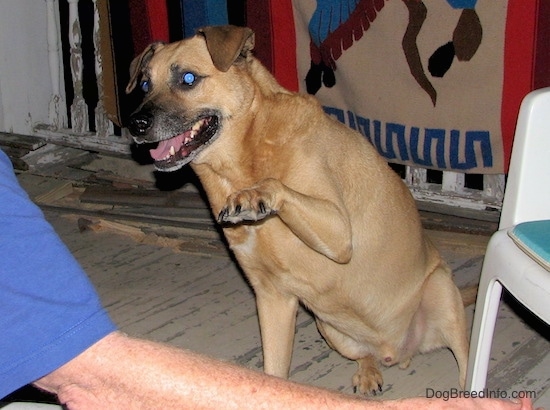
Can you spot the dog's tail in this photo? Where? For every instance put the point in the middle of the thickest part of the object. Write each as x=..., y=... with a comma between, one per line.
x=469, y=295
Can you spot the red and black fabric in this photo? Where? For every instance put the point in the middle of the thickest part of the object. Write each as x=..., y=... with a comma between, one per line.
x=149, y=22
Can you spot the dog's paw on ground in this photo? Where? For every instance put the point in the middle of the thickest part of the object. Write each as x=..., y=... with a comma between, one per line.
x=367, y=379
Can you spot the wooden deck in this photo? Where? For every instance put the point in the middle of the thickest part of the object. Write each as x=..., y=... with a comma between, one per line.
x=188, y=291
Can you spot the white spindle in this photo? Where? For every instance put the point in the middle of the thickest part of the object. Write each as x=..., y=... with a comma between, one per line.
x=104, y=127
x=453, y=182
x=79, y=109
x=493, y=187
x=57, y=111
x=415, y=177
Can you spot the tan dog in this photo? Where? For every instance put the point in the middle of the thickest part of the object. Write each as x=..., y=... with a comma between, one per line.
x=311, y=211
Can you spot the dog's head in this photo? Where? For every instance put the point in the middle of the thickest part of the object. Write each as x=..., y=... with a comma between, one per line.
x=192, y=88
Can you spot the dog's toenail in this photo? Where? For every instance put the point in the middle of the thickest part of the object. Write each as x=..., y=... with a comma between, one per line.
x=223, y=213
x=261, y=205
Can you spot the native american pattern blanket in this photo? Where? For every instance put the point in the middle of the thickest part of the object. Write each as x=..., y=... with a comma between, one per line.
x=432, y=83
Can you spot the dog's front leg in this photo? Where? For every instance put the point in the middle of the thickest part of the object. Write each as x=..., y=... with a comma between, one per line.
x=277, y=316
x=321, y=224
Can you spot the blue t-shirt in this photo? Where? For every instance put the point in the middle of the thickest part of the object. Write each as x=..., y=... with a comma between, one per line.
x=49, y=310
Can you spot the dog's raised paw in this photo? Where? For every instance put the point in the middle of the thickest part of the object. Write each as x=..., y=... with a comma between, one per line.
x=239, y=214
x=245, y=206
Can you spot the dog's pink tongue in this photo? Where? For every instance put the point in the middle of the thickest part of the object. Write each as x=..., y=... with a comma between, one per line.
x=163, y=149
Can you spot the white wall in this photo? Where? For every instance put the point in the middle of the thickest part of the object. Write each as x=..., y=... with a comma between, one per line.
x=25, y=85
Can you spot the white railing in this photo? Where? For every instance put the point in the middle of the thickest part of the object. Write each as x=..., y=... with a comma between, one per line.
x=451, y=192
x=103, y=138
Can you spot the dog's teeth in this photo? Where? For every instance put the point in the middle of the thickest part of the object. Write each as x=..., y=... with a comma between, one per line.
x=198, y=125
x=172, y=150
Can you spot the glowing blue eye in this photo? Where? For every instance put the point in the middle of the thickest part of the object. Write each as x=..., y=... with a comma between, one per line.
x=145, y=86
x=189, y=78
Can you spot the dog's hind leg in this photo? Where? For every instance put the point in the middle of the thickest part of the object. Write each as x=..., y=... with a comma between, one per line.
x=368, y=378
x=442, y=311
x=277, y=316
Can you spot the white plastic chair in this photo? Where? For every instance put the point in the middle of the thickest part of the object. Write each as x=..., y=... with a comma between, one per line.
x=526, y=199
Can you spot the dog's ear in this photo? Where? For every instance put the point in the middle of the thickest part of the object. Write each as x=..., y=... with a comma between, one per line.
x=139, y=62
x=226, y=43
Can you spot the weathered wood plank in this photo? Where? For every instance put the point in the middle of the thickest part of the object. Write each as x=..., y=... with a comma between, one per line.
x=100, y=194
x=26, y=142
x=112, y=145
x=136, y=219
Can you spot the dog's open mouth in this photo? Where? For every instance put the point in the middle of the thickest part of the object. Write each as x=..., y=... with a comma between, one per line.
x=173, y=153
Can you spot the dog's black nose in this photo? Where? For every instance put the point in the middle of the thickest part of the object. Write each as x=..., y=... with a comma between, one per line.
x=140, y=123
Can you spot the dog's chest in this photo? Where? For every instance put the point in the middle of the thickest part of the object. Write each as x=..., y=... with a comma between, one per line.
x=258, y=246
x=263, y=249
x=243, y=240
x=276, y=256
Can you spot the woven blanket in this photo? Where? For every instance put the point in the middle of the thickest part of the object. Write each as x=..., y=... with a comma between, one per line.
x=430, y=83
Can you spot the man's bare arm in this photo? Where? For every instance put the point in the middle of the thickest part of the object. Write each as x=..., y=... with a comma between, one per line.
x=120, y=372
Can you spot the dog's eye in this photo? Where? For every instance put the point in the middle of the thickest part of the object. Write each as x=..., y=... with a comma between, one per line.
x=145, y=86
x=188, y=79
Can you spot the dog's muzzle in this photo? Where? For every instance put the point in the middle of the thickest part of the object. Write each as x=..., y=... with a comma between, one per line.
x=140, y=123
x=172, y=142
